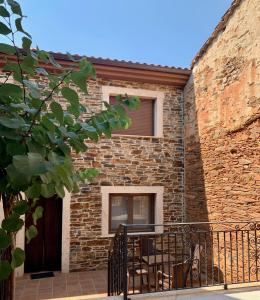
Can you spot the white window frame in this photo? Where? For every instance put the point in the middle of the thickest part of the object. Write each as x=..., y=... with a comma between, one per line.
x=158, y=209
x=158, y=96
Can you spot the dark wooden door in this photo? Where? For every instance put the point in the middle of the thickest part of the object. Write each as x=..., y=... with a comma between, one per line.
x=44, y=252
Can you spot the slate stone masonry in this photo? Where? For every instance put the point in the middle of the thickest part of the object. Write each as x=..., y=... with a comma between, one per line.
x=126, y=160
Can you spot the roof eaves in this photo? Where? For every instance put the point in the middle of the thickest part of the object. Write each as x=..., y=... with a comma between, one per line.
x=123, y=63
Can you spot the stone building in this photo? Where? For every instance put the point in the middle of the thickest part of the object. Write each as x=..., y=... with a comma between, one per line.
x=141, y=170
x=222, y=110
x=198, y=156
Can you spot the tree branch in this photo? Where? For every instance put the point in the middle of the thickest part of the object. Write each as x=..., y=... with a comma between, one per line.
x=45, y=100
x=18, y=58
x=6, y=78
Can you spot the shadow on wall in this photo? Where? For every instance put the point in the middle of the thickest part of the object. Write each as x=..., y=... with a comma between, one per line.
x=196, y=208
x=222, y=177
x=194, y=190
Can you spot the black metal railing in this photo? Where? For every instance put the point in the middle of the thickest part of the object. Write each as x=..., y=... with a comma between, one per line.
x=117, y=263
x=183, y=255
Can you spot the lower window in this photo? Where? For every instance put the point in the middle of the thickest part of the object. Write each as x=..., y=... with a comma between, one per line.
x=131, y=209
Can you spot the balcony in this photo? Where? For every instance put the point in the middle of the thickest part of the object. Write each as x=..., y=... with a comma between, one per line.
x=183, y=256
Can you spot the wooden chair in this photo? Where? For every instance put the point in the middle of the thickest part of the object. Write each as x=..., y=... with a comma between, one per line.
x=177, y=276
x=134, y=270
x=195, y=267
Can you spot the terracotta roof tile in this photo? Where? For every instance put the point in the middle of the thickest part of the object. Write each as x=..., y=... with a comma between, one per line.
x=123, y=63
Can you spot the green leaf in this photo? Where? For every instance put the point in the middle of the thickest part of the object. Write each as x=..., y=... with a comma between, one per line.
x=5, y=269
x=16, y=179
x=18, y=257
x=90, y=173
x=15, y=148
x=35, y=147
x=70, y=95
x=26, y=43
x=64, y=148
x=87, y=68
x=37, y=214
x=47, y=123
x=5, y=239
x=57, y=111
x=53, y=61
x=33, y=88
x=8, y=49
x=31, y=233
x=88, y=127
x=10, y=66
x=28, y=65
x=80, y=80
x=47, y=190
x=33, y=191
x=4, y=12
x=68, y=120
x=21, y=207
x=132, y=102
x=11, y=123
x=42, y=71
x=4, y=29
x=74, y=110
x=12, y=223
x=64, y=174
x=9, y=89
x=15, y=7
x=31, y=164
x=60, y=190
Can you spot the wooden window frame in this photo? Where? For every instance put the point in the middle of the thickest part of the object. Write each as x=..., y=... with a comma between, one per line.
x=130, y=211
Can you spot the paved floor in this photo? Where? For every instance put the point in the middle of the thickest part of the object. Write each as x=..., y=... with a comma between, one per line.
x=62, y=285
x=234, y=292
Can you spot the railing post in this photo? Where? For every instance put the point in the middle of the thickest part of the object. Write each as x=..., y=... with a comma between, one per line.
x=125, y=279
x=108, y=275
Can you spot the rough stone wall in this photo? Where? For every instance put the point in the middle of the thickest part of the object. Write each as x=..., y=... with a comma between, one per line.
x=130, y=161
x=222, y=109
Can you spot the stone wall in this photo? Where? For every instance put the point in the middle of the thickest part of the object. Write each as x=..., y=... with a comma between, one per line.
x=129, y=161
x=222, y=109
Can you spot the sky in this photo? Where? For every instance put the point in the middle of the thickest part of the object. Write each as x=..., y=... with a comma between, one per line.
x=165, y=32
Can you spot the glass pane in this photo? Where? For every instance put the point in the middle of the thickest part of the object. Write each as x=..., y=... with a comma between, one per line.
x=141, y=209
x=118, y=211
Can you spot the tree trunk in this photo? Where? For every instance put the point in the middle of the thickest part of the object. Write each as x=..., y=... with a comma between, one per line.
x=8, y=285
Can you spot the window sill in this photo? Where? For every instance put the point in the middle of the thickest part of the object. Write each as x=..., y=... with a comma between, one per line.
x=137, y=136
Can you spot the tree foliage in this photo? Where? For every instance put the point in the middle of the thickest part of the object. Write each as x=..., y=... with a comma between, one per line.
x=40, y=126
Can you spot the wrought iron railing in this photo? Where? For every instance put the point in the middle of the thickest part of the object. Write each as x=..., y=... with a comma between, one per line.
x=117, y=263
x=183, y=255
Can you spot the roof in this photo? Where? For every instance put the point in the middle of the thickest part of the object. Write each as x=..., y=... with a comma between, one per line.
x=218, y=29
x=122, y=63
x=132, y=71
x=123, y=70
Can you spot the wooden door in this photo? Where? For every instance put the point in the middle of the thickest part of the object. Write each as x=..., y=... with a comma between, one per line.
x=43, y=253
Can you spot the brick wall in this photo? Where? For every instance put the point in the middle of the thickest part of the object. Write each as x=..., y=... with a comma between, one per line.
x=130, y=161
x=222, y=108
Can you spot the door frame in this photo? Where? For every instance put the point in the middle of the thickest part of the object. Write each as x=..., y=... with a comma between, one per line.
x=65, y=237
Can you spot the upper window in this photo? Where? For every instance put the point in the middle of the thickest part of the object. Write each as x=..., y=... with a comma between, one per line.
x=131, y=209
x=142, y=118
x=147, y=120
